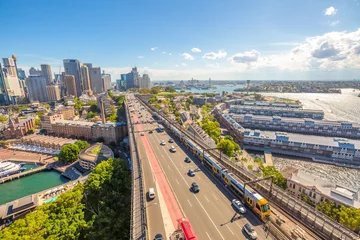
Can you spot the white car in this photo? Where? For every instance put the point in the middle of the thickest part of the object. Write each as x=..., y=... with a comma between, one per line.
x=172, y=149
x=239, y=207
x=162, y=143
x=250, y=231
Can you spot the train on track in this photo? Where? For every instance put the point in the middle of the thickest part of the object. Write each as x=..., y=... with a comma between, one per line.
x=257, y=203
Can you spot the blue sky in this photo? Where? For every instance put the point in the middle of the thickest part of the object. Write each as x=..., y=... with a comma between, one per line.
x=259, y=39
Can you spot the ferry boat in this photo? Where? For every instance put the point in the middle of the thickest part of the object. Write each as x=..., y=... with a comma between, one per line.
x=9, y=168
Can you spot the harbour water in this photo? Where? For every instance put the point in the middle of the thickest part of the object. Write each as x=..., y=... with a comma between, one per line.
x=27, y=185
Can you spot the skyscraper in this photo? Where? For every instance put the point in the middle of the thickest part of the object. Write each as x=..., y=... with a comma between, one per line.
x=145, y=81
x=53, y=92
x=132, y=79
x=10, y=80
x=70, y=85
x=46, y=73
x=10, y=67
x=36, y=85
x=86, y=79
x=34, y=71
x=106, y=78
x=21, y=74
x=72, y=67
x=95, y=79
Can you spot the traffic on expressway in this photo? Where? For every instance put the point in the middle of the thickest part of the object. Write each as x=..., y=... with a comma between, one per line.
x=180, y=186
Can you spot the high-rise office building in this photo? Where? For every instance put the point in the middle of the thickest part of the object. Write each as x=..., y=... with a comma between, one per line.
x=36, y=85
x=72, y=67
x=70, y=85
x=145, y=81
x=86, y=79
x=34, y=71
x=95, y=79
x=11, y=81
x=106, y=78
x=46, y=73
x=53, y=92
x=132, y=79
x=21, y=74
x=10, y=67
x=118, y=84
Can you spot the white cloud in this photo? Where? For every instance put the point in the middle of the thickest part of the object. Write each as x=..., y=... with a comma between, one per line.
x=213, y=55
x=183, y=64
x=140, y=57
x=334, y=23
x=197, y=50
x=163, y=52
x=331, y=51
x=246, y=57
x=187, y=56
x=153, y=48
x=331, y=11
x=176, y=65
x=170, y=54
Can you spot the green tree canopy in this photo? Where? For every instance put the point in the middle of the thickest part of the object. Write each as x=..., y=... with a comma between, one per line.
x=155, y=90
x=144, y=91
x=94, y=108
x=279, y=179
x=3, y=118
x=69, y=153
x=90, y=115
x=227, y=146
x=169, y=89
x=82, y=144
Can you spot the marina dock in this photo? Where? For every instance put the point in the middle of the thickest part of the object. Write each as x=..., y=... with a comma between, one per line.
x=22, y=174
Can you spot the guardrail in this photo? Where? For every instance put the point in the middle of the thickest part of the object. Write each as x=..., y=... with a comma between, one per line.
x=317, y=222
x=138, y=222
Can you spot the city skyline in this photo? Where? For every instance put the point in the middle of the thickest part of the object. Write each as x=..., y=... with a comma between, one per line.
x=183, y=40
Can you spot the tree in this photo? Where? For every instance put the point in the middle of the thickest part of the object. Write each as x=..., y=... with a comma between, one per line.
x=94, y=108
x=69, y=153
x=250, y=167
x=3, y=119
x=227, y=147
x=258, y=97
x=169, y=89
x=110, y=185
x=90, y=115
x=155, y=90
x=78, y=104
x=82, y=144
x=212, y=128
x=279, y=179
x=144, y=91
x=157, y=106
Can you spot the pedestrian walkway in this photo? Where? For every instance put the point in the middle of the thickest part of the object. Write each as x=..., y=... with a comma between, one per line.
x=268, y=159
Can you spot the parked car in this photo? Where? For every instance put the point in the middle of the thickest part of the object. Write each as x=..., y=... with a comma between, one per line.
x=250, y=231
x=238, y=206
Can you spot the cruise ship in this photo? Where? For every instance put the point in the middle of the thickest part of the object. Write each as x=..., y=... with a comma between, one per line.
x=9, y=168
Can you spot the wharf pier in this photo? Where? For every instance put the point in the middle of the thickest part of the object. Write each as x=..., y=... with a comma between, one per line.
x=22, y=174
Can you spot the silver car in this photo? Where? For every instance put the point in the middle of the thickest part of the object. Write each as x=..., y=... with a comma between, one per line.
x=250, y=231
x=238, y=206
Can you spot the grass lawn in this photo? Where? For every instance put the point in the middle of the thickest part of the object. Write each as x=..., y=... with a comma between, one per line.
x=96, y=150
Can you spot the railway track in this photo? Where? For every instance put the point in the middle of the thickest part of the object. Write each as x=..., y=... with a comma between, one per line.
x=263, y=188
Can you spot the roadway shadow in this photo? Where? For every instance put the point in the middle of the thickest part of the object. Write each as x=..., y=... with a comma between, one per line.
x=253, y=218
x=233, y=219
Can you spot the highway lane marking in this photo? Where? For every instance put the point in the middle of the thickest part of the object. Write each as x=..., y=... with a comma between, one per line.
x=189, y=203
x=169, y=167
x=208, y=235
x=215, y=197
x=196, y=198
x=230, y=230
x=177, y=181
x=207, y=199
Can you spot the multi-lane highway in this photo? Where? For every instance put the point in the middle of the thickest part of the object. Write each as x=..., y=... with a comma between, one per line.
x=209, y=211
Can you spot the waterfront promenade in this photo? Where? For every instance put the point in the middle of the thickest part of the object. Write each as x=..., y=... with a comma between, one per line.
x=28, y=157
